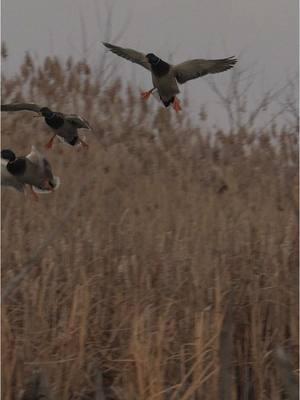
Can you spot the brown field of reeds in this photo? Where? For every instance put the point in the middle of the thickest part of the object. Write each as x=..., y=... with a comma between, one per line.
x=166, y=264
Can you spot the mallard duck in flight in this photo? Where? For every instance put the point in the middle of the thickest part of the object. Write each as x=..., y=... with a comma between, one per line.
x=64, y=126
x=165, y=77
x=33, y=170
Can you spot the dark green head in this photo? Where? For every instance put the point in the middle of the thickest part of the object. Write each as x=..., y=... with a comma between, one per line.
x=17, y=167
x=153, y=59
x=46, y=112
x=8, y=155
x=158, y=66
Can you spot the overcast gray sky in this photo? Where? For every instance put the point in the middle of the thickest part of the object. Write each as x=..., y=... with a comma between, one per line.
x=266, y=30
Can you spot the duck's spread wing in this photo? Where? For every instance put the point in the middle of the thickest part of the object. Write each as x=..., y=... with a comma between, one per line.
x=78, y=121
x=21, y=107
x=193, y=69
x=129, y=54
x=36, y=157
x=43, y=168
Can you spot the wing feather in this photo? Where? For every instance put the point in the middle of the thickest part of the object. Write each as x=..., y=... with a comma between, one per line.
x=77, y=121
x=193, y=69
x=20, y=107
x=36, y=157
x=129, y=54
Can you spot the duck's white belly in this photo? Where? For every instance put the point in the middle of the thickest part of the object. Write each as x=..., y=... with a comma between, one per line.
x=166, y=85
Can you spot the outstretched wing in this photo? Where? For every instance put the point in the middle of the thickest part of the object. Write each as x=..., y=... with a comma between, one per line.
x=20, y=107
x=77, y=121
x=193, y=69
x=43, y=169
x=36, y=157
x=130, y=54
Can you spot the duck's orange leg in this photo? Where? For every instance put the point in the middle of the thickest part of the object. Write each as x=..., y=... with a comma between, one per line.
x=47, y=186
x=50, y=143
x=146, y=95
x=176, y=105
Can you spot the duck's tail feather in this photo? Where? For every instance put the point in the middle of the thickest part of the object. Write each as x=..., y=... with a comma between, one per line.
x=157, y=97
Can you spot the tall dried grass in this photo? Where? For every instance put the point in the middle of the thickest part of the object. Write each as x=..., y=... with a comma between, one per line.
x=169, y=262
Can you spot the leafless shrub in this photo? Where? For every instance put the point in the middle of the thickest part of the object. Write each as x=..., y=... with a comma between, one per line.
x=242, y=114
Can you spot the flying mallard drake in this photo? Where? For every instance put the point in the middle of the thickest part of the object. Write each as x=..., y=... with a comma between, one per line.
x=65, y=126
x=165, y=77
x=33, y=170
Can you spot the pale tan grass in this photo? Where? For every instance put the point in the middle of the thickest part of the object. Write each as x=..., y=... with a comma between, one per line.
x=135, y=284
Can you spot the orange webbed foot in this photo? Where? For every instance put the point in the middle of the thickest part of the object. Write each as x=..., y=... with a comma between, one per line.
x=146, y=95
x=47, y=186
x=50, y=143
x=176, y=105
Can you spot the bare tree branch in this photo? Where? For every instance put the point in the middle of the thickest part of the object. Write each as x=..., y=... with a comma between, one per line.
x=234, y=99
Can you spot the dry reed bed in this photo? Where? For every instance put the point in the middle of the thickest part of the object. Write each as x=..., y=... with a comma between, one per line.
x=168, y=231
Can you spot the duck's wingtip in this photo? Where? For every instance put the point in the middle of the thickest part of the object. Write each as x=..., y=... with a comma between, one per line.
x=107, y=45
